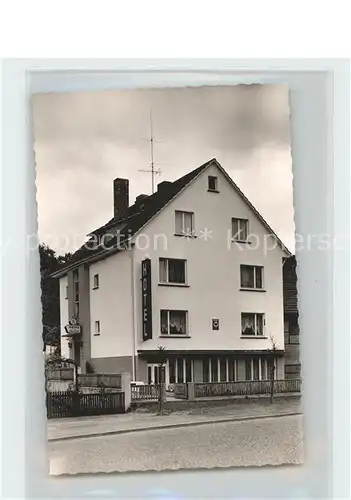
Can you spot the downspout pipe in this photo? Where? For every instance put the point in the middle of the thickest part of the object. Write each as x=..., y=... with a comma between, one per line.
x=134, y=321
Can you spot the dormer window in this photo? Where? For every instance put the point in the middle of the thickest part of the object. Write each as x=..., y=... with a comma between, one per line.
x=213, y=183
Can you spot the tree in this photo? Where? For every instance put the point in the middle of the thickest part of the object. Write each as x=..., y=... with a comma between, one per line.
x=50, y=295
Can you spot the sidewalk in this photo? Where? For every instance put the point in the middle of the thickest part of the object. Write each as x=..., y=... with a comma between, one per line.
x=72, y=428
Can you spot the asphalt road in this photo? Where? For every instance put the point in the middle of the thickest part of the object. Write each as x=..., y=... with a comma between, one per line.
x=270, y=441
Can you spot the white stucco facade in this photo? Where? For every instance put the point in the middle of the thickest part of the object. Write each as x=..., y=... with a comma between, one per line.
x=213, y=272
x=111, y=306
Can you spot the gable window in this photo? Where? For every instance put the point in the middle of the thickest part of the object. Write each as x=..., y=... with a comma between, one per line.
x=173, y=322
x=212, y=183
x=252, y=324
x=240, y=229
x=251, y=277
x=184, y=223
x=172, y=271
x=96, y=281
x=97, y=328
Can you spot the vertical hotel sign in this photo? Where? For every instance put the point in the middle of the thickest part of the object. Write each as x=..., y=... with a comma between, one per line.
x=146, y=299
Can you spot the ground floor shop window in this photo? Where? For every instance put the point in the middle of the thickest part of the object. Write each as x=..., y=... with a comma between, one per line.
x=217, y=369
x=259, y=369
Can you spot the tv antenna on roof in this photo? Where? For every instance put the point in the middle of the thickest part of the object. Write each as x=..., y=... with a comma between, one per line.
x=152, y=169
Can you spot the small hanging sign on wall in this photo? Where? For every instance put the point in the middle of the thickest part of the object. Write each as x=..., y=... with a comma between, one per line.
x=215, y=324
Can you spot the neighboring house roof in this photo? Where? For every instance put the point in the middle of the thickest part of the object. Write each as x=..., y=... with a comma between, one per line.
x=290, y=286
x=137, y=217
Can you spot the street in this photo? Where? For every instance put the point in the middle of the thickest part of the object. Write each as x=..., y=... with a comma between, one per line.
x=269, y=441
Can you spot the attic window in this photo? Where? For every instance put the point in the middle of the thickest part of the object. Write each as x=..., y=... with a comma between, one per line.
x=212, y=183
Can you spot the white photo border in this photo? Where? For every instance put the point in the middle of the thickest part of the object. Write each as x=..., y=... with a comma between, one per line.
x=319, y=97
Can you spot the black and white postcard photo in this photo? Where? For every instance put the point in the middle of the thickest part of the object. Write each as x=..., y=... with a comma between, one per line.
x=169, y=279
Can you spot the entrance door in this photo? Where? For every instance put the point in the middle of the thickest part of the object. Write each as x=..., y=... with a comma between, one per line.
x=155, y=374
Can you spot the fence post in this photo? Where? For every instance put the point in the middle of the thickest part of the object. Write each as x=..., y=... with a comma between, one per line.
x=191, y=391
x=126, y=379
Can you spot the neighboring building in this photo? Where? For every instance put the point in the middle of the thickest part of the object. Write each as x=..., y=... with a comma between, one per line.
x=185, y=268
x=291, y=316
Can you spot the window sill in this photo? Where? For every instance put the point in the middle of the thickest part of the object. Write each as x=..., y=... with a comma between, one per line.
x=96, y=334
x=212, y=191
x=245, y=289
x=253, y=337
x=181, y=285
x=173, y=335
x=241, y=241
x=185, y=235
x=95, y=287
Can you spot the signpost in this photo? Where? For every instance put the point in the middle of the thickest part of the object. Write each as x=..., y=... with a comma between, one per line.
x=146, y=299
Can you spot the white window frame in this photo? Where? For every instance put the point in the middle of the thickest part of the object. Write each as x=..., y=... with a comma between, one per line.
x=96, y=282
x=167, y=282
x=254, y=268
x=169, y=334
x=183, y=214
x=97, y=327
x=249, y=335
x=240, y=221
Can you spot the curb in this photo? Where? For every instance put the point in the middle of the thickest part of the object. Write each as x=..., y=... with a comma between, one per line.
x=172, y=426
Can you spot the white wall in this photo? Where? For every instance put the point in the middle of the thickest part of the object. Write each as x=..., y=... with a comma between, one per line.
x=213, y=272
x=111, y=304
x=64, y=317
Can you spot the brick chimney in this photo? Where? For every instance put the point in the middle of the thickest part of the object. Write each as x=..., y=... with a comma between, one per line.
x=120, y=197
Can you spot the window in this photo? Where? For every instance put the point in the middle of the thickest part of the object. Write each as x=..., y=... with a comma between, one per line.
x=188, y=370
x=96, y=281
x=212, y=183
x=223, y=370
x=173, y=322
x=205, y=371
x=172, y=371
x=66, y=293
x=252, y=324
x=251, y=277
x=214, y=369
x=97, y=328
x=180, y=370
x=258, y=368
x=240, y=229
x=172, y=271
x=184, y=223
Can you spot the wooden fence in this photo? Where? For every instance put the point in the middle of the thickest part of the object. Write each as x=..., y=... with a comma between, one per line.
x=145, y=392
x=245, y=388
x=74, y=404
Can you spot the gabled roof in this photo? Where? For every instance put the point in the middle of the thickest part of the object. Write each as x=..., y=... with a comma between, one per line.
x=136, y=218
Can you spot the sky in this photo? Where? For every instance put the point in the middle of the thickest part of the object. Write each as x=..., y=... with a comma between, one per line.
x=85, y=140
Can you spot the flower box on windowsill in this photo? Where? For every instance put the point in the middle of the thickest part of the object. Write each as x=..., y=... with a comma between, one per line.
x=183, y=285
x=248, y=289
x=253, y=337
x=174, y=335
